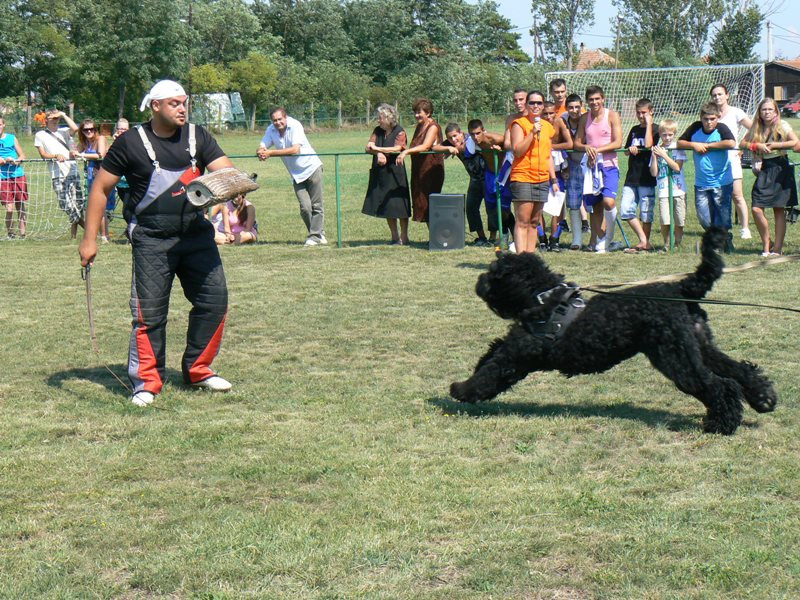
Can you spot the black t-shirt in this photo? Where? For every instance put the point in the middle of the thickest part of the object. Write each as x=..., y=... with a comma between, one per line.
x=639, y=165
x=128, y=157
x=474, y=164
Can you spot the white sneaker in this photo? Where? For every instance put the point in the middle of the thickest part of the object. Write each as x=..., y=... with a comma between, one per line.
x=143, y=398
x=215, y=383
x=311, y=242
x=600, y=247
x=512, y=248
x=745, y=234
x=323, y=241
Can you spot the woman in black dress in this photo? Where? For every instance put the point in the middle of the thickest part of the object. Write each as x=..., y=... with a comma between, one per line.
x=387, y=194
x=769, y=139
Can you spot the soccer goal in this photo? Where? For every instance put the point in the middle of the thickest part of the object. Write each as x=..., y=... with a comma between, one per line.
x=45, y=219
x=676, y=92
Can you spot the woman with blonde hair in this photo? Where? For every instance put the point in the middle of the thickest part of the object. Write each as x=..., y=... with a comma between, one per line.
x=768, y=139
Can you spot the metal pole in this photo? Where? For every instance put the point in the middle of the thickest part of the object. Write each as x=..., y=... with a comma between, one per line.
x=313, y=124
x=498, y=195
x=338, y=204
x=770, y=54
x=671, y=212
x=340, y=114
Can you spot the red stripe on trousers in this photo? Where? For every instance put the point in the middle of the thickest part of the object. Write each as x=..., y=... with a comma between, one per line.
x=201, y=369
x=148, y=369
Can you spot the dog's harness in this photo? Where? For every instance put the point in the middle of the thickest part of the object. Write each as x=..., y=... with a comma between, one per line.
x=564, y=313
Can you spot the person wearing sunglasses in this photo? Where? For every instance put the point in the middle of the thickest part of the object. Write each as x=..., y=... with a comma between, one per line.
x=532, y=173
x=92, y=148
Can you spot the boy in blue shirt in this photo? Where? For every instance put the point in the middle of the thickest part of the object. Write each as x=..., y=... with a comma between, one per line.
x=710, y=141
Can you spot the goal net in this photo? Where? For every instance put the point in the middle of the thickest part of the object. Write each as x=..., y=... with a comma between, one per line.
x=43, y=215
x=676, y=92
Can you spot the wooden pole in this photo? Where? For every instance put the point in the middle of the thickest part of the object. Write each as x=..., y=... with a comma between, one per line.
x=368, y=111
x=340, y=114
x=313, y=123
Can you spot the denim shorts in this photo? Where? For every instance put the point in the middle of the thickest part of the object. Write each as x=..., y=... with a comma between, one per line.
x=641, y=197
x=574, y=189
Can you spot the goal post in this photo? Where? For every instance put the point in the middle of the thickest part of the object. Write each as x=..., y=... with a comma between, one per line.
x=676, y=92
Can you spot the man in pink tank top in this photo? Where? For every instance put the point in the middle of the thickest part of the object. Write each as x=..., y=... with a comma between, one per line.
x=600, y=135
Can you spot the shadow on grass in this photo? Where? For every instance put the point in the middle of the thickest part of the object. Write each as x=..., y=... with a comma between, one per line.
x=473, y=265
x=101, y=375
x=625, y=410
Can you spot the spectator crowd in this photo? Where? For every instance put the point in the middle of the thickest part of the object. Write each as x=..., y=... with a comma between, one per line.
x=553, y=169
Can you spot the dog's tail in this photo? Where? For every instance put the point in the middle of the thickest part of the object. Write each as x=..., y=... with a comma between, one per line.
x=699, y=283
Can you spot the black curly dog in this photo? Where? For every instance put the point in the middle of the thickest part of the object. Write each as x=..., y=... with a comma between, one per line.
x=675, y=336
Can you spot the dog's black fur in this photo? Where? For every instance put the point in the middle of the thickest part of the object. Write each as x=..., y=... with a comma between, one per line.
x=675, y=336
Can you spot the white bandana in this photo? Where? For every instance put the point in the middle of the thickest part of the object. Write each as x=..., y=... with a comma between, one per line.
x=166, y=88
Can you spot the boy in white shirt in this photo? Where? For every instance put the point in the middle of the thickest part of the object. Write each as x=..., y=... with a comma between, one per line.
x=667, y=158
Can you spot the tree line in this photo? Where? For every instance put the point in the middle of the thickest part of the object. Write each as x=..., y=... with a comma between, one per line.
x=103, y=55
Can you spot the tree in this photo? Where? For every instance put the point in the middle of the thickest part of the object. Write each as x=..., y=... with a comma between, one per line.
x=227, y=30
x=734, y=41
x=208, y=79
x=649, y=27
x=491, y=37
x=309, y=29
x=255, y=78
x=558, y=21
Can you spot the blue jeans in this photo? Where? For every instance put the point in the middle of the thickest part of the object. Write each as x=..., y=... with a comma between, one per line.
x=713, y=206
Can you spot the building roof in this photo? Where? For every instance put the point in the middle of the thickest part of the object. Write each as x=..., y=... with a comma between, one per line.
x=589, y=57
x=792, y=64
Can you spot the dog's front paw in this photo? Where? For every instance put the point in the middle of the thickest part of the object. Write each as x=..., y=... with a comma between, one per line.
x=764, y=400
x=459, y=391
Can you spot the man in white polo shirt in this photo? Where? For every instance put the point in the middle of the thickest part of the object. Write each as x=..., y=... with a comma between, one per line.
x=288, y=137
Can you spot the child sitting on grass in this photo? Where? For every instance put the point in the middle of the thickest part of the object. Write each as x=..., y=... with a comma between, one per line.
x=235, y=222
x=666, y=159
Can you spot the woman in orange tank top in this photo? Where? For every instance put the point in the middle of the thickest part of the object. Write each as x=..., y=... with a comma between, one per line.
x=532, y=173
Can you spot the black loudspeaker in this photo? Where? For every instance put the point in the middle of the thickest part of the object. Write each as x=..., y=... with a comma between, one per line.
x=446, y=220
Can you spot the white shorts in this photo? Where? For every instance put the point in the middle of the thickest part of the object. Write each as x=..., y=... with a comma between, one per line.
x=736, y=164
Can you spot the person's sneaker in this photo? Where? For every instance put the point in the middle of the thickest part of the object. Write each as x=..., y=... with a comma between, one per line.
x=323, y=241
x=215, y=383
x=143, y=398
x=311, y=242
x=512, y=248
x=613, y=246
x=564, y=225
x=480, y=242
x=600, y=247
x=745, y=233
x=543, y=241
x=585, y=226
x=554, y=247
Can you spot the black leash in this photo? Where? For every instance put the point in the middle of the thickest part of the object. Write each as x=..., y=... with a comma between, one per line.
x=688, y=300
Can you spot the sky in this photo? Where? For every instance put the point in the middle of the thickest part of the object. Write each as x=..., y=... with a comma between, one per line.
x=786, y=33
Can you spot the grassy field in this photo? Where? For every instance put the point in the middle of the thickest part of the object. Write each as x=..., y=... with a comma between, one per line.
x=339, y=468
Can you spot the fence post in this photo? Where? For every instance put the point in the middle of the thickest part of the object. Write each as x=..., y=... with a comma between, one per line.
x=253, y=120
x=465, y=112
x=338, y=203
x=366, y=123
x=502, y=242
x=72, y=110
x=340, y=114
x=313, y=124
x=219, y=118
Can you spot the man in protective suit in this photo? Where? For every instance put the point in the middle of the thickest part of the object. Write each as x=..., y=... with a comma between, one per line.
x=168, y=236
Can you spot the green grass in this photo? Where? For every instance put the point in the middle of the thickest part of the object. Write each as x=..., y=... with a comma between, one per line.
x=338, y=467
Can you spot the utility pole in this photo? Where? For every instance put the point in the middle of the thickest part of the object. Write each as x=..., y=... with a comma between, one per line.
x=770, y=54
x=616, y=43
